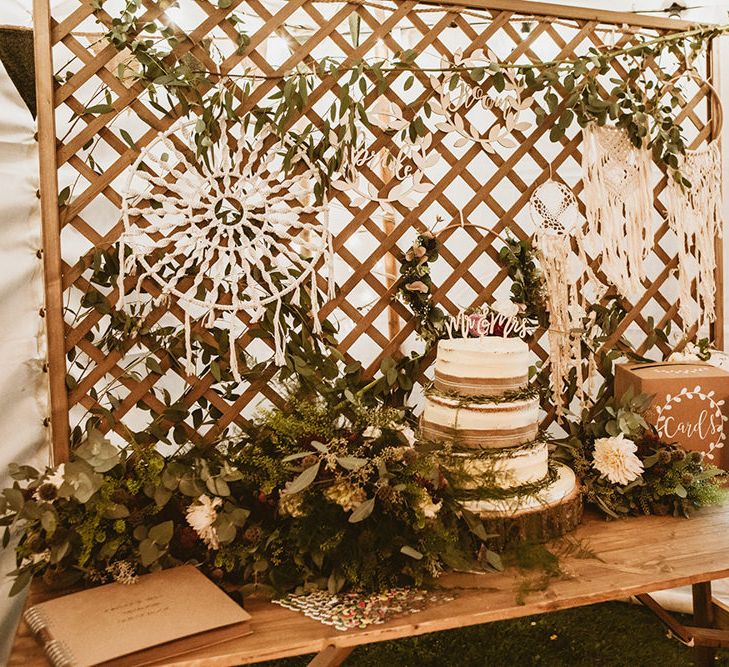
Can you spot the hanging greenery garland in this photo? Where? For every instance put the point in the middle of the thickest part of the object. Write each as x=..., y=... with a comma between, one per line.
x=634, y=103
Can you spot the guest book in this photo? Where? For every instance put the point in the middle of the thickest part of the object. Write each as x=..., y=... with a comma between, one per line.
x=163, y=614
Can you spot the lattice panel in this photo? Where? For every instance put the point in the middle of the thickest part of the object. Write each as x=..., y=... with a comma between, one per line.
x=491, y=189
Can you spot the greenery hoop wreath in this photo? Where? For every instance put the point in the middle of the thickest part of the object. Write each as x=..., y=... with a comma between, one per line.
x=325, y=489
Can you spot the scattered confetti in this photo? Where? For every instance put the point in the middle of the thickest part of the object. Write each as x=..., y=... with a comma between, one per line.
x=347, y=611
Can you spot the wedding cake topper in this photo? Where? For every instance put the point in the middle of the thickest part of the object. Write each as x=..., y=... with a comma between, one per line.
x=503, y=318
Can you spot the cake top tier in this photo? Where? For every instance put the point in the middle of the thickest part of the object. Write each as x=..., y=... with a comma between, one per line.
x=487, y=366
x=484, y=345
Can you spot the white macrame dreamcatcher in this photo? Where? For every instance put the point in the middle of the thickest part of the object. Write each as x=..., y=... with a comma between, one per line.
x=230, y=235
x=619, y=204
x=556, y=217
x=694, y=214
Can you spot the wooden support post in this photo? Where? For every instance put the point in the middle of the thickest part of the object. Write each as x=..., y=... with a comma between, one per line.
x=675, y=628
x=51, y=228
x=719, y=77
x=721, y=614
x=704, y=618
x=331, y=656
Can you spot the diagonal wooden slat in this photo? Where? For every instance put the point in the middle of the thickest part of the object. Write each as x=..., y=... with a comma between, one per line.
x=500, y=183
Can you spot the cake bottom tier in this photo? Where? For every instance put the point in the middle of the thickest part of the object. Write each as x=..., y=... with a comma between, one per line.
x=504, y=468
x=553, y=512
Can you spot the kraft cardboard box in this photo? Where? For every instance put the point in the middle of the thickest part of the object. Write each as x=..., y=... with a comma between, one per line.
x=691, y=403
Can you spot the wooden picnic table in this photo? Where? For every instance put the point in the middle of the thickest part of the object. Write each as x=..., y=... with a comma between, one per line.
x=634, y=557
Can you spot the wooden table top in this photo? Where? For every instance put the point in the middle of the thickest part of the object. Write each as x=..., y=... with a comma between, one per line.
x=634, y=556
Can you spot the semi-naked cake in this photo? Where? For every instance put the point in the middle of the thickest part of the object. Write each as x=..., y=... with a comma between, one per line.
x=489, y=366
x=481, y=408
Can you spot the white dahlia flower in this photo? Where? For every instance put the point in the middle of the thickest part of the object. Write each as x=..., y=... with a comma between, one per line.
x=615, y=458
x=201, y=515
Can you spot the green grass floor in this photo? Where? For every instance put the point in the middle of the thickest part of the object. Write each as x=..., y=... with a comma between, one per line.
x=611, y=634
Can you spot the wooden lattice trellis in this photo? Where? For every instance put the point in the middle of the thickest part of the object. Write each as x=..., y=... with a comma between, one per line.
x=469, y=184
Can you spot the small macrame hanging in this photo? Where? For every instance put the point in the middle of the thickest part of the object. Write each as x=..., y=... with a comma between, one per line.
x=619, y=204
x=225, y=235
x=694, y=214
x=556, y=217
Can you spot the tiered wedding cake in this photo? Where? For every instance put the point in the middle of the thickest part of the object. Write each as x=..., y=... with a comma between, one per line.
x=481, y=406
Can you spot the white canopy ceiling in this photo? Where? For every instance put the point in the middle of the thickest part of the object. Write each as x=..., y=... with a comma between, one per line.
x=18, y=12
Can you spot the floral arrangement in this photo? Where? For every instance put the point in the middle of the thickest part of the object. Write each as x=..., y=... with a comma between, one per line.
x=310, y=496
x=626, y=469
x=514, y=316
x=415, y=286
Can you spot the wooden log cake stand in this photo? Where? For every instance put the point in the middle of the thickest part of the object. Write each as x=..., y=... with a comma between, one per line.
x=635, y=557
x=538, y=524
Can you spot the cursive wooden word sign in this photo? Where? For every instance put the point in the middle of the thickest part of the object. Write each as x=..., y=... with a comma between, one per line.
x=489, y=323
x=407, y=166
x=692, y=415
x=458, y=92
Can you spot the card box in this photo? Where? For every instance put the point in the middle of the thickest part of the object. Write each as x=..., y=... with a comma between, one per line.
x=690, y=406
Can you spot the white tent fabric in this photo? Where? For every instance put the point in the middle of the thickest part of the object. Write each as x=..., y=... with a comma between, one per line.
x=17, y=13
x=23, y=385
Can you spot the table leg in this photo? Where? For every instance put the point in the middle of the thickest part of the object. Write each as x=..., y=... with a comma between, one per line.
x=331, y=656
x=704, y=618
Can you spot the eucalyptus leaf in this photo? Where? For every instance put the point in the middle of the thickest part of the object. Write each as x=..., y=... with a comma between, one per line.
x=303, y=480
x=162, y=496
x=161, y=534
x=48, y=521
x=335, y=583
x=21, y=582
x=116, y=511
x=218, y=486
x=149, y=552
x=58, y=551
x=355, y=21
x=81, y=481
x=413, y=553
x=98, y=451
x=319, y=446
x=295, y=457
x=494, y=560
x=15, y=498
x=362, y=511
x=225, y=529
x=351, y=462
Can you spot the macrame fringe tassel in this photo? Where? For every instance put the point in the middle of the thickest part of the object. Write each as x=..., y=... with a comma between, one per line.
x=315, y=305
x=189, y=366
x=619, y=204
x=279, y=338
x=234, y=356
x=564, y=346
x=121, y=279
x=695, y=216
x=332, y=287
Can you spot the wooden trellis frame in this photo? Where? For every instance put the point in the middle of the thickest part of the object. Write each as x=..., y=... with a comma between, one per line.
x=65, y=274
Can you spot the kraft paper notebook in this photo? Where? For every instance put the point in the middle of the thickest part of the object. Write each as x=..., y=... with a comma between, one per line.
x=164, y=614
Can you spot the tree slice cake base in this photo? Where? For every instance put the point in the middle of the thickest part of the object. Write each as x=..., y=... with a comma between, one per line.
x=551, y=513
